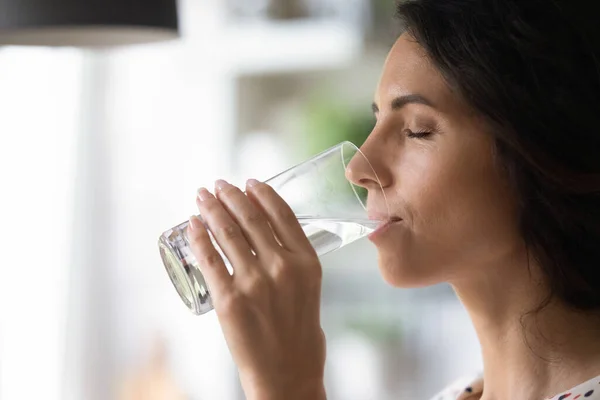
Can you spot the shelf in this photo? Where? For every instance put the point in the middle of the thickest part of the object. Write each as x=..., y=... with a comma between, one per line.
x=278, y=47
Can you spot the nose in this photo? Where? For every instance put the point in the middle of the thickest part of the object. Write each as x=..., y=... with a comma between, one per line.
x=364, y=170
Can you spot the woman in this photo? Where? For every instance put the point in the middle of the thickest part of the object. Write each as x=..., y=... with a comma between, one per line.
x=487, y=144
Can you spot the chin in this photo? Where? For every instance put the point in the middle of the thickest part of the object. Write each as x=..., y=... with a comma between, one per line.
x=401, y=272
x=406, y=262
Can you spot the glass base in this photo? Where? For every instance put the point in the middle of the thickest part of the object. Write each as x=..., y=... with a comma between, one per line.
x=183, y=270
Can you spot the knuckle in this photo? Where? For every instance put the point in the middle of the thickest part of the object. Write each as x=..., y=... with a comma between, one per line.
x=283, y=274
x=253, y=218
x=282, y=271
x=314, y=269
x=209, y=258
x=229, y=232
x=279, y=261
x=312, y=272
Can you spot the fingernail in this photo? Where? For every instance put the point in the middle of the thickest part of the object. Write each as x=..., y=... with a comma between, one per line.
x=195, y=223
x=252, y=182
x=203, y=194
x=221, y=184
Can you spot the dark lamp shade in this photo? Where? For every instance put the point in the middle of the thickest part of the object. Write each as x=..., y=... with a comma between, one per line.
x=87, y=23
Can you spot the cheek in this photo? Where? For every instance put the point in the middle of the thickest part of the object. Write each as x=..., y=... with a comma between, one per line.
x=458, y=214
x=426, y=189
x=451, y=193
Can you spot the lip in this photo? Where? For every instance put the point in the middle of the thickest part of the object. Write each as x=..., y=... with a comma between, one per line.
x=383, y=227
x=379, y=216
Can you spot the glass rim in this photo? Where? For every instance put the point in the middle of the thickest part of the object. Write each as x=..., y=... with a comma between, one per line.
x=356, y=149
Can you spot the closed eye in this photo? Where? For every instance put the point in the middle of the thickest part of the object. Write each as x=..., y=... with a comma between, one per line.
x=417, y=134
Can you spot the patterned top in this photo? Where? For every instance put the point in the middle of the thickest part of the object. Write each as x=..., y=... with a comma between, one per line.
x=472, y=388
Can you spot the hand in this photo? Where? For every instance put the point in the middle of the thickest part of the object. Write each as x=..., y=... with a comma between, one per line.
x=269, y=309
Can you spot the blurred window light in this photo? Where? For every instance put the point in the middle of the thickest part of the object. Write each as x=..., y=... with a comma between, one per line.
x=39, y=93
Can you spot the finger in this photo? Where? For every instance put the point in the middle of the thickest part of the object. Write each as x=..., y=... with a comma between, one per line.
x=280, y=216
x=250, y=218
x=211, y=264
x=226, y=232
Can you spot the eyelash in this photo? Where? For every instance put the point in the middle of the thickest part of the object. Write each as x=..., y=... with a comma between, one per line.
x=418, y=134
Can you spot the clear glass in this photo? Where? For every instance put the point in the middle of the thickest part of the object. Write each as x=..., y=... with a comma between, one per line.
x=331, y=210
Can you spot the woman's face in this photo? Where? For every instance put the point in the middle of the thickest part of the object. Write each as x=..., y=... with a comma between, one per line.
x=435, y=161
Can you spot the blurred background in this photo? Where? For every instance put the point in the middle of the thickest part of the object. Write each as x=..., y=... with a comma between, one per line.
x=102, y=150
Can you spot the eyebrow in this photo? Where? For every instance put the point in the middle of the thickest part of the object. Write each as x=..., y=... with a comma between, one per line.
x=401, y=101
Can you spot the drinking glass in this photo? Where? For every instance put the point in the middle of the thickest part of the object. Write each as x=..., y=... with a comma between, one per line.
x=331, y=210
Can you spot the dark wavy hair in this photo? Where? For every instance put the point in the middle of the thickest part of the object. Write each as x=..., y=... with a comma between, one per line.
x=531, y=68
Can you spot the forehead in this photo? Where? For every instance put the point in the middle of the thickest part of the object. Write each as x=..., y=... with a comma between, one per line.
x=408, y=70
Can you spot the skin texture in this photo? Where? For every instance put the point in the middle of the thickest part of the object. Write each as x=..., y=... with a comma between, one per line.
x=435, y=160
